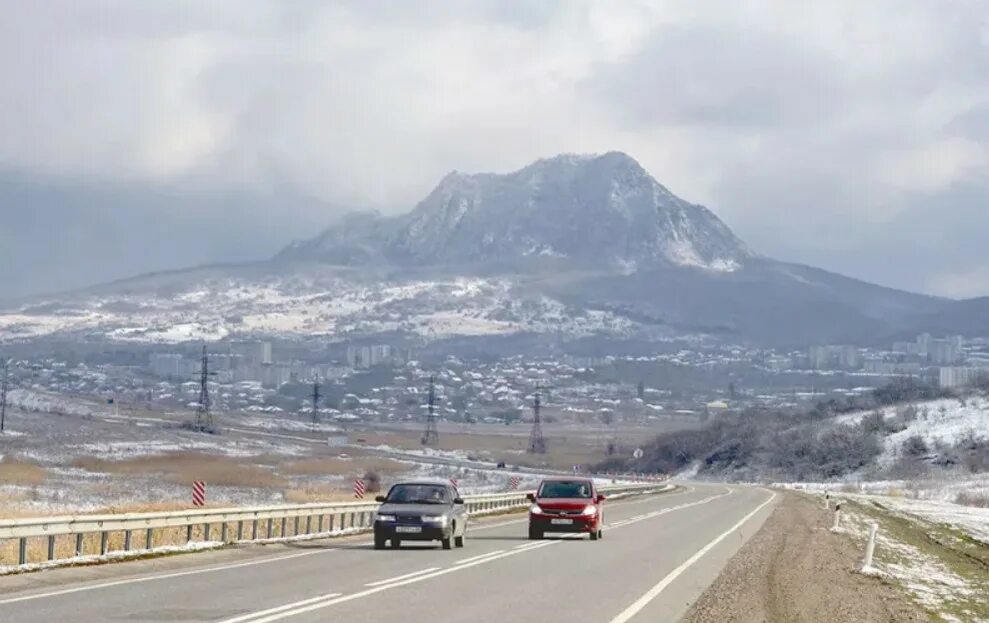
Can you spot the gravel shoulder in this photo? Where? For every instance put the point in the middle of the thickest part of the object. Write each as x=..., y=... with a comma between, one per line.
x=795, y=569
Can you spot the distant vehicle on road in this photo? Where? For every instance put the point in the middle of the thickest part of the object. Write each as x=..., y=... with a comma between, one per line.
x=501, y=465
x=421, y=510
x=566, y=505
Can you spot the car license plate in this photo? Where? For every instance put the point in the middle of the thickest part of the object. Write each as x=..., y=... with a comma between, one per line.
x=408, y=529
x=561, y=522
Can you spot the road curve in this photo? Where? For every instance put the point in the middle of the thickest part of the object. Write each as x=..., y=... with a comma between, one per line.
x=658, y=555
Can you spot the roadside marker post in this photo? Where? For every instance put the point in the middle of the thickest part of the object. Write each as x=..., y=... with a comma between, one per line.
x=199, y=493
x=837, y=518
x=359, y=489
x=453, y=481
x=513, y=483
x=870, y=549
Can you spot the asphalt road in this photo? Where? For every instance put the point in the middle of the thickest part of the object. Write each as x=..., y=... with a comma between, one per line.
x=658, y=555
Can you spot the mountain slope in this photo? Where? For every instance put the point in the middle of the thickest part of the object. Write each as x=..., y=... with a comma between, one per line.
x=603, y=211
x=570, y=247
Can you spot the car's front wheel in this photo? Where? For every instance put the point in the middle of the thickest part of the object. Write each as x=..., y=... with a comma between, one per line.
x=447, y=542
x=379, y=542
x=535, y=533
x=459, y=541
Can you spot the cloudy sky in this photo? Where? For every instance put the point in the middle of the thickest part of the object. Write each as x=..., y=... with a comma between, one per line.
x=137, y=136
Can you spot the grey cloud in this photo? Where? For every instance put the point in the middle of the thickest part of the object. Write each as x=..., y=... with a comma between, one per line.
x=707, y=76
x=236, y=125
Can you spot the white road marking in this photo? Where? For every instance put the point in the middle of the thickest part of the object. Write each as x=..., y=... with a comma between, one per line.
x=473, y=558
x=301, y=608
x=643, y=601
x=163, y=576
x=250, y=563
x=254, y=615
x=401, y=577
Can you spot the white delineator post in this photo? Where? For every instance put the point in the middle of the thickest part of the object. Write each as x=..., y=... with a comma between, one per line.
x=827, y=500
x=870, y=549
x=837, y=518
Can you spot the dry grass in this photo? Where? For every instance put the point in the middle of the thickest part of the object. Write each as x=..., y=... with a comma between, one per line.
x=966, y=498
x=14, y=471
x=184, y=467
x=336, y=466
x=317, y=493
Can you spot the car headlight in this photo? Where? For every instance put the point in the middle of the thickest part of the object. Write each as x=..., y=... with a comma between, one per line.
x=589, y=510
x=385, y=518
x=440, y=519
x=536, y=509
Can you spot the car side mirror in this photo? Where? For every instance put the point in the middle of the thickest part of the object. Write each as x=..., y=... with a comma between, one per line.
x=380, y=498
x=531, y=497
x=458, y=500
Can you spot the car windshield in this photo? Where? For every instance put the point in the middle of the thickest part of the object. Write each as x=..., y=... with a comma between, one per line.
x=418, y=494
x=565, y=489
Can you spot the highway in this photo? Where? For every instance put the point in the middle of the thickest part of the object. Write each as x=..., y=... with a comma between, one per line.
x=658, y=555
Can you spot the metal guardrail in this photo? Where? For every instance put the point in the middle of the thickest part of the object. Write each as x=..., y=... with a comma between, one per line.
x=318, y=519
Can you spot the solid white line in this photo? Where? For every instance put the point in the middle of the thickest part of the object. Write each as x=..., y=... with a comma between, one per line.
x=163, y=576
x=179, y=574
x=302, y=609
x=254, y=615
x=473, y=558
x=643, y=601
x=401, y=577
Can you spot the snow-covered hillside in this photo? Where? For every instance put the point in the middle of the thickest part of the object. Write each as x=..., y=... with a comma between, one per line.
x=216, y=308
x=946, y=422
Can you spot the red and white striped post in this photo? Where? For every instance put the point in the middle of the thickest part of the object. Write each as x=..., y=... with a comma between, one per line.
x=199, y=493
x=513, y=483
x=359, y=489
x=453, y=481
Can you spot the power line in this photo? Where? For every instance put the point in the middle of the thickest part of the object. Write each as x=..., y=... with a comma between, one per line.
x=431, y=436
x=315, y=404
x=537, y=442
x=3, y=396
x=204, y=418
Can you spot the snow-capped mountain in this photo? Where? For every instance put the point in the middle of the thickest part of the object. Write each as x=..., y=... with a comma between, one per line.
x=568, y=247
x=601, y=211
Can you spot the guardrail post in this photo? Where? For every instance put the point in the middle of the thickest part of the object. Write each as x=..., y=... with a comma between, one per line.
x=254, y=530
x=22, y=551
x=79, y=544
x=149, y=538
x=319, y=527
x=104, y=536
x=837, y=517
x=127, y=540
x=308, y=524
x=188, y=533
x=332, y=519
x=240, y=530
x=270, y=523
x=51, y=547
x=206, y=532
x=223, y=532
x=295, y=530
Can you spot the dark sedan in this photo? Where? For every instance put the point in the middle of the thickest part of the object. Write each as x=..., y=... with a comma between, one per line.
x=420, y=511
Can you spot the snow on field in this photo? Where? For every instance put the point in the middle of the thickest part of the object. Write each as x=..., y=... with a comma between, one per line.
x=928, y=580
x=931, y=500
x=28, y=400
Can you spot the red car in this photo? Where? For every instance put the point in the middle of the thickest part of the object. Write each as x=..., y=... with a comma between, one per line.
x=566, y=505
